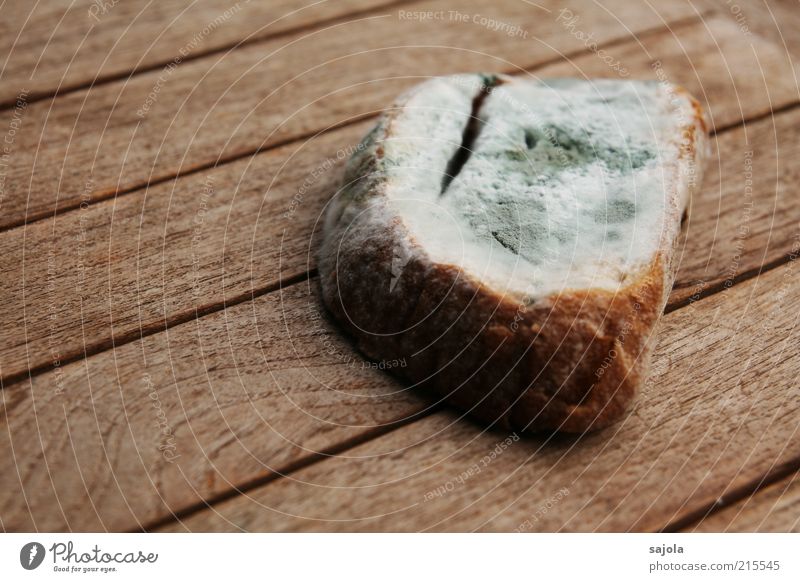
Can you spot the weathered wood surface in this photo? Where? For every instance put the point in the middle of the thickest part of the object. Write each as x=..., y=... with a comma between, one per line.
x=775, y=508
x=121, y=136
x=121, y=439
x=26, y=408
x=60, y=45
x=155, y=255
x=702, y=426
x=249, y=388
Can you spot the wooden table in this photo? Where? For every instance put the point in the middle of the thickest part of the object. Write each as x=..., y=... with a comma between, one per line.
x=165, y=361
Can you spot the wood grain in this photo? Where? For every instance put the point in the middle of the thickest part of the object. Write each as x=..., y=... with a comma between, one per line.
x=176, y=418
x=773, y=509
x=60, y=45
x=703, y=426
x=265, y=386
x=116, y=268
x=777, y=20
x=26, y=413
x=121, y=136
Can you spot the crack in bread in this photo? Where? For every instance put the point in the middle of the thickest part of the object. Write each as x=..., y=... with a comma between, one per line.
x=513, y=241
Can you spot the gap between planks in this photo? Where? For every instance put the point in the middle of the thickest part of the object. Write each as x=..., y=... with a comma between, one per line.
x=332, y=451
x=73, y=205
x=755, y=118
x=779, y=473
x=160, y=327
x=766, y=472
x=773, y=509
x=735, y=280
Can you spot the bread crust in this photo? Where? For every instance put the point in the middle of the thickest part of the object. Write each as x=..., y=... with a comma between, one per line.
x=569, y=362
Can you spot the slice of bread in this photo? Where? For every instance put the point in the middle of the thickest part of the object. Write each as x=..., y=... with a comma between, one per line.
x=511, y=241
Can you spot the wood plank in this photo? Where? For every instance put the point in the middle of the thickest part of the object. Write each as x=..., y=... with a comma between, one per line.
x=59, y=45
x=38, y=406
x=719, y=411
x=159, y=254
x=773, y=509
x=776, y=20
x=124, y=135
x=175, y=418
x=123, y=267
